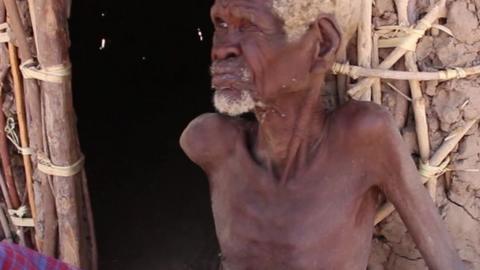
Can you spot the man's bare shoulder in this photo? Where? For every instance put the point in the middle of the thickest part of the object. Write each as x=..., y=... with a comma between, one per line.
x=372, y=132
x=209, y=137
x=364, y=119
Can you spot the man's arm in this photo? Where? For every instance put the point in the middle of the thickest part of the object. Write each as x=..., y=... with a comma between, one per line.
x=400, y=181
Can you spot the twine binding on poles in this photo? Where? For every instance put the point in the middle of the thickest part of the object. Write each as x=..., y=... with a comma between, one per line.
x=346, y=69
x=429, y=171
x=53, y=74
x=13, y=137
x=457, y=73
x=46, y=166
x=7, y=35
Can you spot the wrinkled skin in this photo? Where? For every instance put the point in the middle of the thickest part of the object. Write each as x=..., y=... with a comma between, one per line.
x=299, y=188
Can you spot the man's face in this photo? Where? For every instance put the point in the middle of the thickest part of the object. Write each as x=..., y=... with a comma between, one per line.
x=252, y=62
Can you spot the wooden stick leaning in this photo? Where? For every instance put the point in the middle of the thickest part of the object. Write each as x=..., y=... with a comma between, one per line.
x=436, y=160
x=437, y=11
x=19, y=102
x=45, y=221
x=376, y=87
x=419, y=110
x=91, y=225
x=9, y=187
x=364, y=44
x=12, y=195
x=3, y=188
x=4, y=223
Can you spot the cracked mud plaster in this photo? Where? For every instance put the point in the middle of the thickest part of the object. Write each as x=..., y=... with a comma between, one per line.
x=449, y=105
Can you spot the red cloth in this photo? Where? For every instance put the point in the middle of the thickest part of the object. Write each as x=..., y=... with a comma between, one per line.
x=14, y=257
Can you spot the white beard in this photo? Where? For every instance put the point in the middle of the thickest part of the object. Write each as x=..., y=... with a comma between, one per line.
x=233, y=106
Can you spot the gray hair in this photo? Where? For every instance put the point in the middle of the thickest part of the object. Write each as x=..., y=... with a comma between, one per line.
x=298, y=15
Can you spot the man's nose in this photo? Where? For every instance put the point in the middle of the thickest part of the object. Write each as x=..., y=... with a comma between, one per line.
x=225, y=51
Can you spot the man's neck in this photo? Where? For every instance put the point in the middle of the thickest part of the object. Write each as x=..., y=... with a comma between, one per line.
x=287, y=131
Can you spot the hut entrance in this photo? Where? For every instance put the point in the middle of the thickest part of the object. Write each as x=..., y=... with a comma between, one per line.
x=139, y=78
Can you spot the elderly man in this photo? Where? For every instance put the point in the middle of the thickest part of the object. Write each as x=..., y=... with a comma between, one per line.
x=298, y=188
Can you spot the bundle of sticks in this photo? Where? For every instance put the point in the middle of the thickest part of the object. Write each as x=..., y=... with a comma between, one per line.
x=47, y=206
x=370, y=71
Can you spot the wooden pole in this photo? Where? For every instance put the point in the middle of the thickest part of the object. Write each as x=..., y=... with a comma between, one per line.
x=437, y=11
x=19, y=102
x=11, y=194
x=61, y=133
x=6, y=166
x=364, y=46
x=376, y=87
x=5, y=225
x=45, y=222
x=419, y=110
x=4, y=153
x=376, y=73
x=437, y=158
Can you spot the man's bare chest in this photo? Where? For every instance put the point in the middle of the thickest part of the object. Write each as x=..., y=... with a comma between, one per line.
x=251, y=206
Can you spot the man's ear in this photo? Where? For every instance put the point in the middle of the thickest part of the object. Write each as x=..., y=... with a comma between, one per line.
x=328, y=43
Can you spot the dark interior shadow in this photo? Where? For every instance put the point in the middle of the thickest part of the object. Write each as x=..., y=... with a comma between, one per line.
x=133, y=97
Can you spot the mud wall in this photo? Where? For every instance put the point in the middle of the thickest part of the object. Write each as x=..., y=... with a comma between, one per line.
x=450, y=104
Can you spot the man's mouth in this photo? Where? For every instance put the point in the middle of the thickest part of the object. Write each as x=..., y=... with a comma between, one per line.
x=225, y=81
x=230, y=75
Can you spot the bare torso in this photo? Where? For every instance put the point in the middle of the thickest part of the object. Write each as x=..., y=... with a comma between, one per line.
x=330, y=215
x=322, y=218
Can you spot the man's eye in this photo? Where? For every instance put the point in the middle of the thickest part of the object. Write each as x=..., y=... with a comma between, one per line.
x=248, y=26
x=221, y=24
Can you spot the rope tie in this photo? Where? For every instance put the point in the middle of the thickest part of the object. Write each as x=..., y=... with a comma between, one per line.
x=429, y=171
x=461, y=73
x=7, y=35
x=13, y=137
x=345, y=69
x=456, y=73
x=53, y=74
x=18, y=217
x=410, y=43
x=46, y=166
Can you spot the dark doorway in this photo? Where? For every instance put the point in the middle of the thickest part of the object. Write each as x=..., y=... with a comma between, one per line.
x=134, y=93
